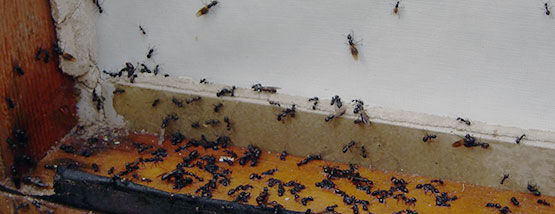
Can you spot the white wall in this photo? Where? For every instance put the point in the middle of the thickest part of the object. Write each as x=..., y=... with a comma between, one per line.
x=491, y=61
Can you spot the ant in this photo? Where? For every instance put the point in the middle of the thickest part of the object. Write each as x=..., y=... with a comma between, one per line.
x=505, y=176
x=288, y=111
x=439, y=181
x=348, y=146
x=204, y=81
x=142, y=30
x=308, y=159
x=275, y=103
x=132, y=79
x=40, y=52
x=195, y=125
x=337, y=101
x=364, y=155
x=498, y=206
x=352, y=45
x=396, y=9
x=156, y=70
x=466, y=121
x=95, y=167
x=177, y=102
x=543, y=202
x=428, y=137
x=227, y=123
x=10, y=103
x=533, y=189
x=212, y=122
x=18, y=70
x=98, y=99
x=193, y=99
x=155, y=102
x=217, y=107
x=225, y=91
x=129, y=68
x=331, y=208
x=145, y=69
x=100, y=10
x=304, y=201
x=329, y=117
x=505, y=210
x=36, y=203
x=518, y=139
x=359, y=109
x=283, y=155
x=443, y=199
x=514, y=201
x=338, y=110
x=262, y=198
x=46, y=56
x=270, y=171
x=258, y=87
x=206, y=8
x=150, y=53
x=363, y=119
x=547, y=12
x=231, y=153
x=111, y=170
x=56, y=49
x=359, y=106
x=316, y=100
x=38, y=55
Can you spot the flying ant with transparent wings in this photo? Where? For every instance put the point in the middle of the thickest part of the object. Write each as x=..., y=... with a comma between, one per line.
x=352, y=45
x=363, y=115
x=204, y=10
x=339, y=108
x=397, y=8
x=260, y=88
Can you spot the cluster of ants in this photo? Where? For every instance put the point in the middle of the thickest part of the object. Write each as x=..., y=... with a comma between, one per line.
x=179, y=176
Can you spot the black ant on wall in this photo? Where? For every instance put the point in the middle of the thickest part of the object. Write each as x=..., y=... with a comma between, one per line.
x=142, y=30
x=150, y=53
x=97, y=4
x=465, y=121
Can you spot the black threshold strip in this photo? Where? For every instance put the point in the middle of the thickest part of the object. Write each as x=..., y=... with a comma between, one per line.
x=98, y=193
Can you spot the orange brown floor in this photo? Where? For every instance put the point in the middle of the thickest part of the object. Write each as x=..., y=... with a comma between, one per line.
x=470, y=198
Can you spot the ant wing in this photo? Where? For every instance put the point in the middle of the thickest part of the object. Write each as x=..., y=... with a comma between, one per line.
x=458, y=143
x=365, y=118
x=359, y=42
x=272, y=87
x=68, y=57
x=340, y=111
